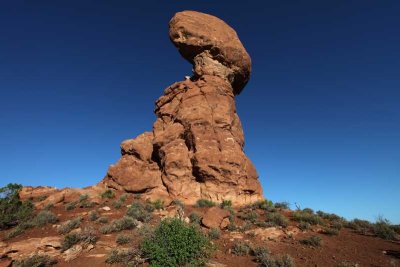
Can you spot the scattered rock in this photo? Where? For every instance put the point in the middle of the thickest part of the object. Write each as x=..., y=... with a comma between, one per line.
x=72, y=253
x=214, y=217
x=212, y=263
x=106, y=208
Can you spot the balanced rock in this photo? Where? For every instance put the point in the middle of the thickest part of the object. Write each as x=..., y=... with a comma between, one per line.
x=196, y=147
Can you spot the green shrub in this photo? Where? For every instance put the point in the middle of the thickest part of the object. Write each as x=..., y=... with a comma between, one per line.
x=383, y=229
x=137, y=196
x=158, y=204
x=276, y=218
x=36, y=260
x=226, y=204
x=214, y=233
x=117, y=204
x=118, y=225
x=330, y=231
x=69, y=241
x=336, y=225
x=305, y=216
x=329, y=216
x=108, y=193
x=178, y=203
x=360, y=226
x=265, y=204
x=282, y=205
x=93, y=215
x=231, y=227
x=266, y=260
x=69, y=225
x=175, y=243
x=20, y=229
x=48, y=206
x=122, y=239
x=304, y=226
x=308, y=210
x=123, y=198
x=259, y=252
x=44, y=217
x=205, y=203
x=103, y=220
x=13, y=211
x=127, y=257
x=71, y=205
x=83, y=198
x=314, y=241
x=140, y=212
x=88, y=235
x=250, y=215
x=241, y=248
x=195, y=218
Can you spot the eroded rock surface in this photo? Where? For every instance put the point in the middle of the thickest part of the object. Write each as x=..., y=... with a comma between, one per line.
x=196, y=147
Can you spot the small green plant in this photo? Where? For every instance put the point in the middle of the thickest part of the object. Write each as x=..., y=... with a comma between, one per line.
x=140, y=212
x=118, y=225
x=245, y=227
x=265, y=204
x=89, y=235
x=108, y=193
x=137, y=196
x=36, y=260
x=264, y=258
x=336, y=225
x=48, y=206
x=128, y=257
x=158, y=204
x=45, y=217
x=250, y=215
x=231, y=227
x=83, y=198
x=260, y=252
x=282, y=205
x=93, y=215
x=175, y=243
x=69, y=241
x=383, y=229
x=304, y=226
x=103, y=220
x=306, y=216
x=360, y=226
x=195, y=218
x=226, y=204
x=330, y=231
x=71, y=205
x=20, y=229
x=69, y=225
x=41, y=198
x=314, y=241
x=276, y=218
x=204, y=203
x=122, y=239
x=329, y=216
x=214, y=233
x=178, y=203
x=241, y=249
x=308, y=210
x=13, y=211
x=123, y=198
x=117, y=204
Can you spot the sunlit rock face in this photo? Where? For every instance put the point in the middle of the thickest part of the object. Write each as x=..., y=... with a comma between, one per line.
x=196, y=147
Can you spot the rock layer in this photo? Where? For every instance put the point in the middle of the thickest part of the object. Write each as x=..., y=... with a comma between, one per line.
x=196, y=147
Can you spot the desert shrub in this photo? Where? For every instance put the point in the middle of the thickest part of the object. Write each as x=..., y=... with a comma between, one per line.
x=396, y=228
x=44, y=217
x=93, y=215
x=71, y=205
x=226, y=204
x=118, y=225
x=20, y=229
x=245, y=227
x=140, y=212
x=123, y=198
x=383, y=229
x=302, y=216
x=195, y=218
x=122, y=239
x=83, y=198
x=330, y=231
x=308, y=210
x=158, y=204
x=70, y=240
x=250, y=215
x=108, y=193
x=260, y=251
x=265, y=204
x=214, y=233
x=262, y=224
x=276, y=218
x=88, y=235
x=103, y=220
x=282, y=205
x=304, y=226
x=231, y=227
x=137, y=196
x=117, y=204
x=175, y=243
x=36, y=260
x=205, y=203
x=360, y=226
x=127, y=257
x=314, y=241
x=13, y=211
x=267, y=260
x=336, y=225
x=178, y=203
x=329, y=216
x=241, y=249
x=69, y=225
x=48, y=206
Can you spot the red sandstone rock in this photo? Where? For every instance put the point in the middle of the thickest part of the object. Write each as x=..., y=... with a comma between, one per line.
x=214, y=217
x=196, y=147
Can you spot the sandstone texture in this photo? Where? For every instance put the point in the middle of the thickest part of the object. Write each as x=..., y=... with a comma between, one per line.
x=196, y=147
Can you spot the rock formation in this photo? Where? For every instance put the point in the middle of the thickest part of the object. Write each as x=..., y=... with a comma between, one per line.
x=196, y=147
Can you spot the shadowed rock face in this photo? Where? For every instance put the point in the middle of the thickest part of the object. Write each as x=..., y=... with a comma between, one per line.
x=196, y=147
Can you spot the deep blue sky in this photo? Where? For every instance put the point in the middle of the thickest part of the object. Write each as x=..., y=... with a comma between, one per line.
x=321, y=113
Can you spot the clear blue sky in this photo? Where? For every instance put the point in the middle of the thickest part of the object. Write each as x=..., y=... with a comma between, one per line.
x=321, y=113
